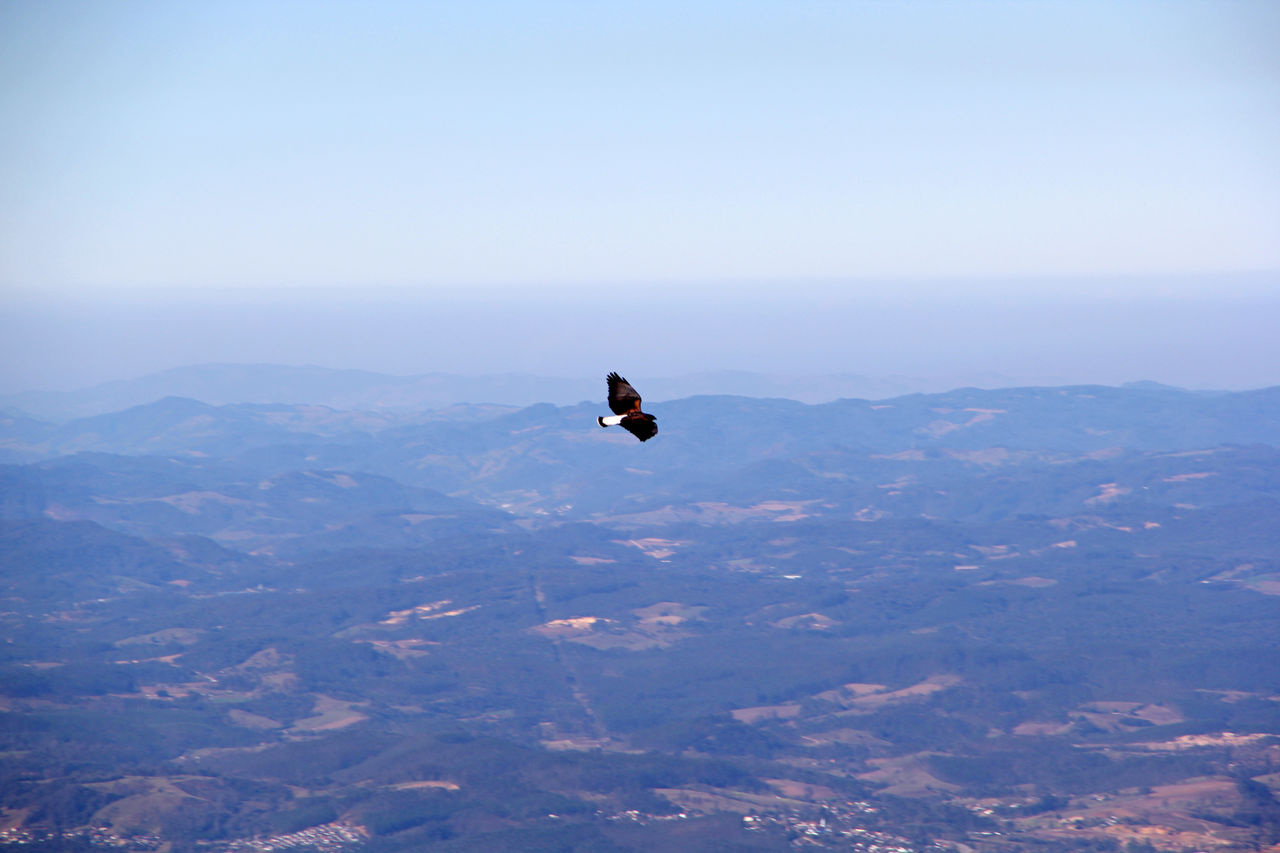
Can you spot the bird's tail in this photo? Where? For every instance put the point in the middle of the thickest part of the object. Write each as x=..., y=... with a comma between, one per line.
x=612, y=420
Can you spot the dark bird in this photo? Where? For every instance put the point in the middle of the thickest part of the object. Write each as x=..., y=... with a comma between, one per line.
x=624, y=402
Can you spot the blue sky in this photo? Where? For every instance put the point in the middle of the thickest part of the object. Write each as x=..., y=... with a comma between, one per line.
x=543, y=151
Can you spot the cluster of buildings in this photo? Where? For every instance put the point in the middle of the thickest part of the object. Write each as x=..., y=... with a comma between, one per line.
x=637, y=816
x=835, y=831
x=98, y=836
x=328, y=838
x=839, y=828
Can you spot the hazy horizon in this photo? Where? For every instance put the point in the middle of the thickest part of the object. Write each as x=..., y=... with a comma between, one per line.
x=1082, y=190
x=1195, y=332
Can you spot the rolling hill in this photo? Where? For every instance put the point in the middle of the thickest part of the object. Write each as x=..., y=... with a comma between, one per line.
x=988, y=620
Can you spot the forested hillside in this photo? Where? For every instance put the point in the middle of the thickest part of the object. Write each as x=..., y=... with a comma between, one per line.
x=1023, y=619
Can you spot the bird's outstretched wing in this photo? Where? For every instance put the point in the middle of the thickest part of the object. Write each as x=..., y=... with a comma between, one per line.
x=622, y=397
x=641, y=426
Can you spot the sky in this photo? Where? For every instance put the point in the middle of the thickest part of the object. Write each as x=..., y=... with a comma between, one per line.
x=1085, y=190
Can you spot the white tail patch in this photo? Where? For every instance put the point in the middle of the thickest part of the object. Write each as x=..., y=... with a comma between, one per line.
x=612, y=420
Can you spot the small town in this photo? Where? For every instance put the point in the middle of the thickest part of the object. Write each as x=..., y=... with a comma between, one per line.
x=833, y=829
x=97, y=836
x=327, y=838
x=837, y=825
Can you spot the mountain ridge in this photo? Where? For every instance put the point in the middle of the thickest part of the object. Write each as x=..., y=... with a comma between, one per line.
x=921, y=620
x=219, y=384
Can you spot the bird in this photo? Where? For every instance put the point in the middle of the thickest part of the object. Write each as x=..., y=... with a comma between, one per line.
x=624, y=402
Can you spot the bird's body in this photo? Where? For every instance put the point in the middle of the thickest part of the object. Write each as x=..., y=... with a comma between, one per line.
x=624, y=402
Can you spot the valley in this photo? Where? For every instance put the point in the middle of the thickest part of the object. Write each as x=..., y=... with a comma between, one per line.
x=979, y=621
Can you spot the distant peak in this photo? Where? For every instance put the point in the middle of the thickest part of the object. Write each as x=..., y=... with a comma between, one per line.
x=1150, y=385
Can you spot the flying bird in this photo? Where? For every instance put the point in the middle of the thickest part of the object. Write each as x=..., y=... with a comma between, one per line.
x=624, y=402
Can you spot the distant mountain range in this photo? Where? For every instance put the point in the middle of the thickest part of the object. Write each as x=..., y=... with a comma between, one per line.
x=1075, y=418
x=1017, y=620
x=219, y=384
x=545, y=461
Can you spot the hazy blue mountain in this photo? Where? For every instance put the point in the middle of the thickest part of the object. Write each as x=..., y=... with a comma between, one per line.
x=242, y=508
x=912, y=623
x=80, y=560
x=221, y=384
x=547, y=459
x=179, y=424
x=1069, y=418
